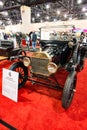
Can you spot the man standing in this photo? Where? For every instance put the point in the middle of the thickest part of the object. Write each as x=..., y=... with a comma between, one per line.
x=34, y=39
x=28, y=41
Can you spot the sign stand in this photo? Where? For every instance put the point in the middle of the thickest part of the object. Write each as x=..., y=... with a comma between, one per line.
x=10, y=84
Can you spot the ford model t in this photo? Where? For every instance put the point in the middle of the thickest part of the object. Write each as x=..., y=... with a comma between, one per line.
x=42, y=66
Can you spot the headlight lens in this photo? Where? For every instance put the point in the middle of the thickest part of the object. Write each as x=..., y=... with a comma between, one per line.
x=26, y=61
x=52, y=67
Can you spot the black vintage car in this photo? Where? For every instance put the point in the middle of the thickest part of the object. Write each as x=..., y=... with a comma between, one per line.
x=59, y=51
x=7, y=49
x=42, y=66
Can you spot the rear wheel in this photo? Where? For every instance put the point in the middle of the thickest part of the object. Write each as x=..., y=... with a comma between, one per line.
x=69, y=89
x=23, y=72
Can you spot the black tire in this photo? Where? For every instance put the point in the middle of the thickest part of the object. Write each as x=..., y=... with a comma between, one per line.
x=69, y=89
x=23, y=72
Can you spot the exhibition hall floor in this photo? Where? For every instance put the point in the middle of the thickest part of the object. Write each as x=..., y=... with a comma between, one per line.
x=39, y=108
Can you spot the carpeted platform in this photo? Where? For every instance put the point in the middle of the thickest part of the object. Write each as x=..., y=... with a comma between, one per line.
x=39, y=108
x=3, y=58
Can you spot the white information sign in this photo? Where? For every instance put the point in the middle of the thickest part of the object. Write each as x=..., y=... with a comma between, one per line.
x=10, y=84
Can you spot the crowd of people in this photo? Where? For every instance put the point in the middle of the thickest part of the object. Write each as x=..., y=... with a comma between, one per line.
x=30, y=39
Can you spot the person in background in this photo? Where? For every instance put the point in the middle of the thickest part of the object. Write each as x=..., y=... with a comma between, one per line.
x=1, y=36
x=34, y=39
x=83, y=50
x=30, y=36
x=18, y=38
x=86, y=37
x=28, y=41
x=82, y=37
x=5, y=36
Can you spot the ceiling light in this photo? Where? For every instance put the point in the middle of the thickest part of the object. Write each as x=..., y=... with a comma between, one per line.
x=5, y=13
x=1, y=3
x=79, y=1
x=70, y=18
x=0, y=22
x=41, y=20
x=86, y=14
x=84, y=9
x=8, y=18
x=10, y=22
x=20, y=21
x=38, y=15
x=47, y=17
x=47, y=6
x=65, y=16
x=55, y=20
x=33, y=19
x=58, y=12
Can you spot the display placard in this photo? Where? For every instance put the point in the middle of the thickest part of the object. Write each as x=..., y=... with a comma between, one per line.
x=10, y=84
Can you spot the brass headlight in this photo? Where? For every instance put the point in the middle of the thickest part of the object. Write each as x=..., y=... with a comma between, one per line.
x=52, y=67
x=26, y=61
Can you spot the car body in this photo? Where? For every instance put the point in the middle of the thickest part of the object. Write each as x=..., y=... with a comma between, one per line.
x=42, y=66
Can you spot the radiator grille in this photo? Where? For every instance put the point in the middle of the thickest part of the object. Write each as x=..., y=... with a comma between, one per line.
x=39, y=65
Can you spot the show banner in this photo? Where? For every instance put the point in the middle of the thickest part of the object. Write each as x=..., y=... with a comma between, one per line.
x=10, y=84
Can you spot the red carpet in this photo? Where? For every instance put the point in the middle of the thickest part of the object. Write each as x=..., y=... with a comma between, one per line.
x=39, y=108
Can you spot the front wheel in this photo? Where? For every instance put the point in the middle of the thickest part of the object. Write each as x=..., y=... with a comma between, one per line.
x=69, y=89
x=23, y=72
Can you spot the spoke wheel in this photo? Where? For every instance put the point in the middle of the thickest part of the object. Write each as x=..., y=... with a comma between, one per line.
x=23, y=72
x=69, y=89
